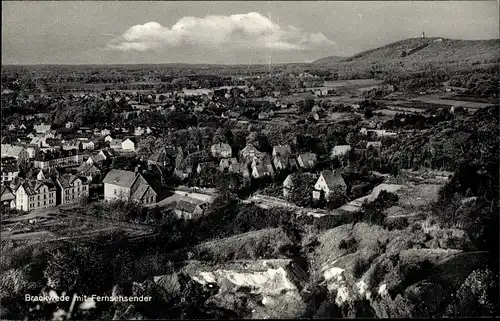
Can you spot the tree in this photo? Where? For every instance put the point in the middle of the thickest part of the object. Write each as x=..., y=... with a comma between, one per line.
x=208, y=176
x=232, y=182
x=477, y=297
x=305, y=106
x=302, y=188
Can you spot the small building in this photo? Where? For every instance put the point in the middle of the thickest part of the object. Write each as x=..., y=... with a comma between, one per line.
x=116, y=144
x=340, y=150
x=204, y=165
x=8, y=198
x=327, y=183
x=128, y=145
x=262, y=168
x=9, y=172
x=250, y=152
x=88, y=145
x=189, y=209
x=221, y=150
x=72, y=189
x=17, y=152
x=307, y=160
x=127, y=185
x=138, y=131
x=225, y=163
x=72, y=145
x=287, y=186
x=284, y=162
x=89, y=171
x=282, y=150
x=42, y=128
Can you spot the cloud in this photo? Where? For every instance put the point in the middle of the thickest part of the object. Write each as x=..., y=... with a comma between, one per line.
x=239, y=31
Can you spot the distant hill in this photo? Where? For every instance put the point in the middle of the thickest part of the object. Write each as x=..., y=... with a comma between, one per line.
x=329, y=60
x=415, y=55
x=431, y=49
x=421, y=63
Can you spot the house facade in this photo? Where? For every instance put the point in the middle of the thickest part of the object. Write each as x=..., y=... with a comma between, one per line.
x=17, y=152
x=127, y=185
x=8, y=199
x=189, y=210
x=340, y=150
x=128, y=145
x=307, y=160
x=72, y=189
x=221, y=150
x=327, y=183
x=9, y=172
x=33, y=195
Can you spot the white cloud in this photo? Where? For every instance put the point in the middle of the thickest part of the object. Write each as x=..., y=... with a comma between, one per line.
x=249, y=31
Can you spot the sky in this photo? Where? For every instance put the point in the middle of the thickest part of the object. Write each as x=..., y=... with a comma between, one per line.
x=227, y=32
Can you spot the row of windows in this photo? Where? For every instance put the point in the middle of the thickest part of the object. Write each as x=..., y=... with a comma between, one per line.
x=72, y=191
x=32, y=198
x=148, y=200
x=44, y=203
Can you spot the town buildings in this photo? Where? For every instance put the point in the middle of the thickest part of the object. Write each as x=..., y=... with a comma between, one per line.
x=34, y=194
x=127, y=185
x=72, y=189
x=328, y=183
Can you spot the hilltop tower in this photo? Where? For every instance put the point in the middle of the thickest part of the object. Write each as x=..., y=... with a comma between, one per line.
x=423, y=34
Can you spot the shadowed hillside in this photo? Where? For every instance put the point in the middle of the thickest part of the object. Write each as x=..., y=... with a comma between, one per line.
x=430, y=61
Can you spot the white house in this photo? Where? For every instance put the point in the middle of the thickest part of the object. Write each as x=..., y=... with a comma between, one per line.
x=33, y=195
x=328, y=182
x=88, y=144
x=73, y=189
x=282, y=150
x=138, y=131
x=128, y=145
x=340, y=150
x=125, y=185
x=42, y=128
x=221, y=150
x=287, y=186
x=9, y=172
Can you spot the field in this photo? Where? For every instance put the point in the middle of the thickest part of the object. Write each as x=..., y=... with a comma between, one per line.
x=354, y=83
x=56, y=225
x=440, y=99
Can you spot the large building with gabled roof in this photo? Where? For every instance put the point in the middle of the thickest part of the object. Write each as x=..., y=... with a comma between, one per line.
x=127, y=185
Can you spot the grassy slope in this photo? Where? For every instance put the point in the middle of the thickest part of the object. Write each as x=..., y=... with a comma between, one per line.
x=448, y=51
x=266, y=244
x=387, y=257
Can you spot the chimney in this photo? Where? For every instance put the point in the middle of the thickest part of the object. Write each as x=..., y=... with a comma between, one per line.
x=137, y=170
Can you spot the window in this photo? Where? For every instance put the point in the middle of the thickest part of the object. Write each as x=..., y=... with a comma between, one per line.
x=38, y=197
x=115, y=191
x=38, y=204
x=44, y=202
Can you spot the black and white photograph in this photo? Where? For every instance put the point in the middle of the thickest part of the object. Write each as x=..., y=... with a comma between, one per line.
x=249, y=160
